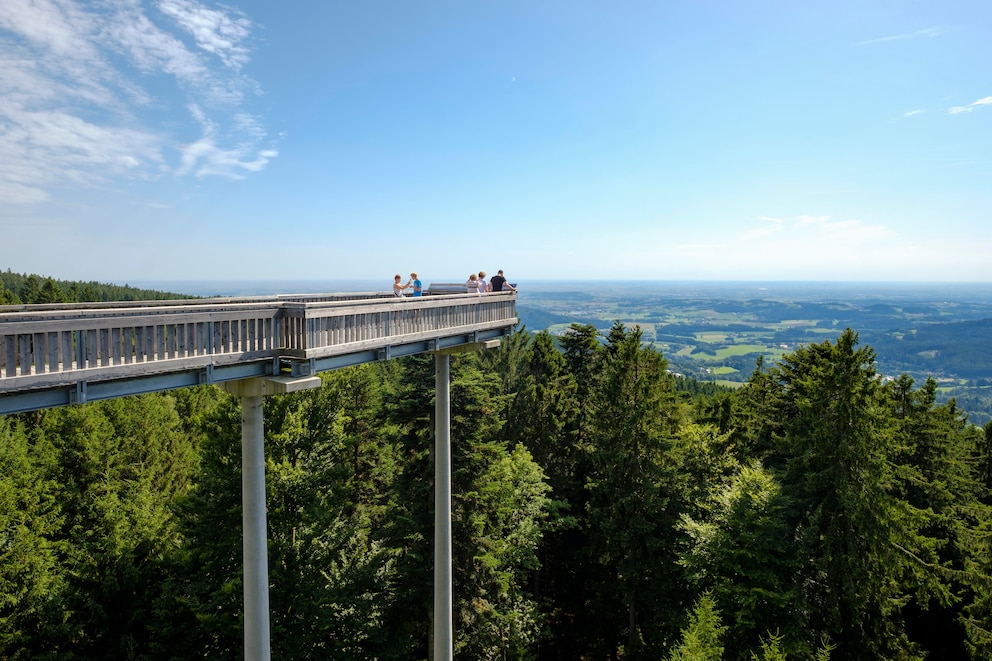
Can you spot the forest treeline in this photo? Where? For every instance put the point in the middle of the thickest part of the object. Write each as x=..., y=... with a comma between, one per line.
x=602, y=509
x=28, y=289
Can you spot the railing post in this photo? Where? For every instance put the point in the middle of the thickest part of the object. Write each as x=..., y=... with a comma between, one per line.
x=80, y=349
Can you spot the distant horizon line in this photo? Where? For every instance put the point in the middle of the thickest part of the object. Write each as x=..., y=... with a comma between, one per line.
x=858, y=288
x=388, y=280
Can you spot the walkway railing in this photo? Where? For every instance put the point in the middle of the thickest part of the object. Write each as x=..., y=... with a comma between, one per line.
x=49, y=346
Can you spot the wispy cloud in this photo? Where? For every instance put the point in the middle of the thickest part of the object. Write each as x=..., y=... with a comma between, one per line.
x=123, y=88
x=956, y=110
x=913, y=113
x=815, y=230
x=918, y=34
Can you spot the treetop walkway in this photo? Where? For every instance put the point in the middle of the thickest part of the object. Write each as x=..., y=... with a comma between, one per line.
x=53, y=355
x=58, y=354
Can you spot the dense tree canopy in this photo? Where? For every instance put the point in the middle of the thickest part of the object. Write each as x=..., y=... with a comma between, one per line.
x=603, y=508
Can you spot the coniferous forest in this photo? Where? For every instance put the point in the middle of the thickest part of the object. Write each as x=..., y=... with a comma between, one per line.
x=602, y=509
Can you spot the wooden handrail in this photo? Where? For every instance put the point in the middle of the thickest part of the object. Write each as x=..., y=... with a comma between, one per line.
x=51, y=345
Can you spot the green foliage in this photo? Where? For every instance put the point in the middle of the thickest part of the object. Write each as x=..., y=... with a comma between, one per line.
x=602, y=508
x=31, y=575
x=741, y=555
x=837, y=442
x=701, y=639
x=630, y=515
x=16, y=288
x=99, y=483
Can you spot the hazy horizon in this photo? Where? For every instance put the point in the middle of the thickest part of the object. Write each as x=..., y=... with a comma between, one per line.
x=254, y=287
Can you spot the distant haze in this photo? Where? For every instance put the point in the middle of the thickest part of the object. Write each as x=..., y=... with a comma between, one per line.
x=814, y=290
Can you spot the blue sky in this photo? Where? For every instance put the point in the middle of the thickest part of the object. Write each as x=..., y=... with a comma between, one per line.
x=177, y=139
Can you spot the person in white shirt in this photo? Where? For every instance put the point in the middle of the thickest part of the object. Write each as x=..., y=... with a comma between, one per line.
x=398, y=288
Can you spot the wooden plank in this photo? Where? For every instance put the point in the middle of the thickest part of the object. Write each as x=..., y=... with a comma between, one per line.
x=128, y=343
x=148, y=350
x=139, y=344
x=10, y=355
x=182, y=346
x=38, y=352
x=160, y=338
x=68, y=350
x=104, y=346
x=55, y=351
x=25, y=353
x=217, y=342
x=115, y=346
x=91, y=348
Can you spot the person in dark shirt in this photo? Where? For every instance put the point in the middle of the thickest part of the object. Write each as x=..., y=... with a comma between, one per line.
x=498, y=283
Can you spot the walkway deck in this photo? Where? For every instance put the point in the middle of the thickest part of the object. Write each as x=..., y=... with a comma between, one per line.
x=52, y=355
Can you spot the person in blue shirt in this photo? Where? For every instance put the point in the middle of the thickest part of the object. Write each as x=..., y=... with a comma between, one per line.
x=418, y=286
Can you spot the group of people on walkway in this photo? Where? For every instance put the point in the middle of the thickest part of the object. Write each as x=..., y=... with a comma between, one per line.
x=413, y=283
x=476, y=284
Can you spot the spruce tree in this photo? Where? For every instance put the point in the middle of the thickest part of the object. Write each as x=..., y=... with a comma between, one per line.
x=630, y=520
x=837, y=436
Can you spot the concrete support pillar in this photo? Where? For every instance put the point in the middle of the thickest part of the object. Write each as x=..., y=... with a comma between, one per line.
x=255, y=547
x=254, y=542
x=443, y=635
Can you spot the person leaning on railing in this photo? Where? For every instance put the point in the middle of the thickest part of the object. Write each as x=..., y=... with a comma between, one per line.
x=498, y=282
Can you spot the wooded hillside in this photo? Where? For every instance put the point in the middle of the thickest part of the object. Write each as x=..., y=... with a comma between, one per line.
x=603, y=509
x=599, y=512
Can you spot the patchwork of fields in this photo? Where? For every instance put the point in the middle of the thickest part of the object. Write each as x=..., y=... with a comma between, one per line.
x=717, y=331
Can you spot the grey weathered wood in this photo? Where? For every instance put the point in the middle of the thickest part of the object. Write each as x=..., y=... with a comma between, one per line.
x=42, y=346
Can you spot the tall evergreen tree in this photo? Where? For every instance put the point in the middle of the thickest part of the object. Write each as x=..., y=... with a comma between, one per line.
x=701, y=639
x=740, y=554
x=32, y=573
x=630, y=520
x=837, y=435
x=542, y=419
x=123, y=464
x=498, y=511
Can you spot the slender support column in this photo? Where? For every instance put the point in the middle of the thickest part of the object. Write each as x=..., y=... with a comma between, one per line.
x=254, y=545
x=256, y=558
x=443, y=638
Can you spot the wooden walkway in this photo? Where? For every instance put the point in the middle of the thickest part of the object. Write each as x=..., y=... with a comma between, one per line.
x=52, y=355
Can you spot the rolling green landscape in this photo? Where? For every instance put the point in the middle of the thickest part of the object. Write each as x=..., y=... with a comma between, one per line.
x=717, y=331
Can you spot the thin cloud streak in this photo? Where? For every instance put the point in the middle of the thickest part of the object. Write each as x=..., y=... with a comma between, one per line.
x=77, y=83
x=919, y=34
x=816, y=229
x=956, y=110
